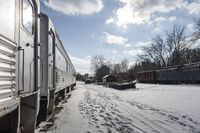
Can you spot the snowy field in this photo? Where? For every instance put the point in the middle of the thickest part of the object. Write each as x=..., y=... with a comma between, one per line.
x=147, y=109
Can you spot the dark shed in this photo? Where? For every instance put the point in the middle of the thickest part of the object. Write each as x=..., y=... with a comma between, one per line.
x=109, y=78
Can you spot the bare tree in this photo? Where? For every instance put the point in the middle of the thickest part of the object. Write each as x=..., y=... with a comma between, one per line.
x=193, y=55
x=177, y=44
x=115, y=68
x=176, y=49
x=96, y=62
x=124, y=65
x=156, y=52
x=196, y=34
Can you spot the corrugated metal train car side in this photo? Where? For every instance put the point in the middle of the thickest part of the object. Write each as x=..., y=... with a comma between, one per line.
x=35, y=69
x=187, y=73
x=9, y=101
x=64, y=71
x=57, y=71
x=18, y=65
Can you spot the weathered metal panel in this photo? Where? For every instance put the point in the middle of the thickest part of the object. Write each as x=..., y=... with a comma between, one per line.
x=64, y=76
x=7, y=75
x=44, y=55
x=8, y=37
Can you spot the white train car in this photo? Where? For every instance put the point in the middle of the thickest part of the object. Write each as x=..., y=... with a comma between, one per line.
x=34, y=72
x=64, y=69
x=57, y=71
x=18, y=65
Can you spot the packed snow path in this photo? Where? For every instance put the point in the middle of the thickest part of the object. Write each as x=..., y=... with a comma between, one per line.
x=147, y=109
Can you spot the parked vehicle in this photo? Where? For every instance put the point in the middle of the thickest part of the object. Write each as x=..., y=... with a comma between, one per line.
x=88, y=81
x=188, y=73
x=34, y=67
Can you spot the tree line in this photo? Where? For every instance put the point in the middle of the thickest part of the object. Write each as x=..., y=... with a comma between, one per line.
x=102, y=67
x=176, y=47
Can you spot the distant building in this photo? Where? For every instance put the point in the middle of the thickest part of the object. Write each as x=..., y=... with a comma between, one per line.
x=109, y=78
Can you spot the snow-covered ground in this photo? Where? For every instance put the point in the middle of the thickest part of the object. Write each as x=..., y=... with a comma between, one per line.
x=148, y=108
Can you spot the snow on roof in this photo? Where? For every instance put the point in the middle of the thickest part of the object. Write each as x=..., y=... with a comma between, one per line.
x=106, y=76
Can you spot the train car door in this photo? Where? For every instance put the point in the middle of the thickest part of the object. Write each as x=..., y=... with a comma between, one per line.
x=51, y=54
x=51, y=58
x=27, y=45
x=27, y=67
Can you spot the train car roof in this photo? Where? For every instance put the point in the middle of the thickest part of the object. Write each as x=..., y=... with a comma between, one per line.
x=176, y=67
x=146, y=71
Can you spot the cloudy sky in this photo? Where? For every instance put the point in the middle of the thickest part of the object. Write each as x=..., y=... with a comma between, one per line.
x=115, y=28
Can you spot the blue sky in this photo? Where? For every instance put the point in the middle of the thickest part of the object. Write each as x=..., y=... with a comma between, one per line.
x=115, y=28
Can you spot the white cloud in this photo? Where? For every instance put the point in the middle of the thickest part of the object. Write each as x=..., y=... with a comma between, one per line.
x=156, y=24
x=172, y=18
x=194, y=8
x=81, y=65
x=161, y=19
x=113, y=39
x=110, y=21
x=128, y=45
x=145, y=11
x=197, y=44
x=80, y=61
x=75, y=7
x=190, y=27
x=115, y=51
x=131, y=63
x=142, y=44
x=133, y=52
x=116, y=40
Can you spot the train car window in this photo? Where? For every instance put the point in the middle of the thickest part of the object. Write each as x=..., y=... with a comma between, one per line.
x=27, y=16
x=50, y=43
x=7, y=15
x=66, y=66
x=60, y=60
x=69, y=68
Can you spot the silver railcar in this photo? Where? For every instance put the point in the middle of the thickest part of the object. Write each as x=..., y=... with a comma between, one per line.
x=57, y=71
x=18, y=65
x=34, y=68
